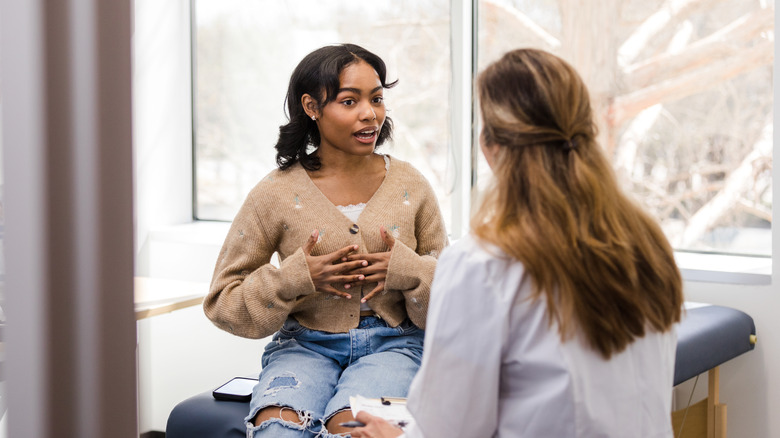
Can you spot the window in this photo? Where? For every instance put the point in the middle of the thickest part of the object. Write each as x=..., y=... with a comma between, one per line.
x=246, y=52
x=682, y=90
x=683, y=93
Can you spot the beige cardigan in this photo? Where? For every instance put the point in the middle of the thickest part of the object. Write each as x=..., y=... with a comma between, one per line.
x=250, y=297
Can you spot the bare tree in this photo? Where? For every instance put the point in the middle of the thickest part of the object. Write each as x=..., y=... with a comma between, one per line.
x=683, y=94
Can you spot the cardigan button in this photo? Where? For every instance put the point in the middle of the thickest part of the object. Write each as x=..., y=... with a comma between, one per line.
x=354, y=229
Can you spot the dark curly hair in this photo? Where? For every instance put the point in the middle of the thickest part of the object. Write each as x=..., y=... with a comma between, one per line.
x=318, y=76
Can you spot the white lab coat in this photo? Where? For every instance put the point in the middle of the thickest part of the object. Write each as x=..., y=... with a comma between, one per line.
x=494, y=367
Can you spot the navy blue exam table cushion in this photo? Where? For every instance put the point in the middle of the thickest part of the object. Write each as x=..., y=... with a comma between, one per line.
x=707, y=336
x=202, y=416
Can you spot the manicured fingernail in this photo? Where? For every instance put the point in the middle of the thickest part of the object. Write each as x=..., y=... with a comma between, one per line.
x=365, y=263
x=349, y=297
x=355, y=247
x=361, y=277
x=347, y=286
x=313, y=233
x=363, y=300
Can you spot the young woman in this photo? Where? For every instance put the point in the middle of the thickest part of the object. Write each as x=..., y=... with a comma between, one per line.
x=358, y=234
x=555, y=316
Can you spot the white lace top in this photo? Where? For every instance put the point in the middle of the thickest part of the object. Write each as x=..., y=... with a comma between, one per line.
x=352, y=211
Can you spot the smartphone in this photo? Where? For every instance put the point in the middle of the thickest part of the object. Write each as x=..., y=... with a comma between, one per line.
x=236, y=389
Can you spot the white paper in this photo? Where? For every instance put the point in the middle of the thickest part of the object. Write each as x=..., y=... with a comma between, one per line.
x=395, y=412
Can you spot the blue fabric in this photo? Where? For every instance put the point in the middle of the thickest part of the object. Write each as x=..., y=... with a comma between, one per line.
x=709, y=336
x=203, y=417
x=314, y=373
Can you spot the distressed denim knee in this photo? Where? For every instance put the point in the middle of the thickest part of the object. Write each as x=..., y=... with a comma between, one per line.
x=313, y=373
x=279, y=428
x=293, y=377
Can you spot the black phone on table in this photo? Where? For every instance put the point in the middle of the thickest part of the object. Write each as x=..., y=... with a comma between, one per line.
x=236, y=389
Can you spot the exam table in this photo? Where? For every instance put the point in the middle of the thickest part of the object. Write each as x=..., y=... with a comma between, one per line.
x=708, y=336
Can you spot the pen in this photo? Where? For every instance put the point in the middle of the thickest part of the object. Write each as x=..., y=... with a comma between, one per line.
x=352, y=424
x=356, y=423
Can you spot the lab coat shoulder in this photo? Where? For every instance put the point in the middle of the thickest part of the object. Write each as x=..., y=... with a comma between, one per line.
x=456, y=391
x=471, y=269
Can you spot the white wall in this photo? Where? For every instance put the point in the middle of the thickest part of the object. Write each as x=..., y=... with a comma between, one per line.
x=181, y=354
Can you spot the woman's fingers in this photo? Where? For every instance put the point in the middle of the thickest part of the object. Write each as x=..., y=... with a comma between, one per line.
x=379, y=287
x=310, y=242
x=370, y=277
x=375, y=427
x=342, y=279
x=346, y=267
x=377, y=259
x=387, y=237
x=328, y=289
x=373, y=278
x=351, y=268
x=341, y=253
x=308, y=246
x=365, y=270
x=371, y=258
x=364, y=417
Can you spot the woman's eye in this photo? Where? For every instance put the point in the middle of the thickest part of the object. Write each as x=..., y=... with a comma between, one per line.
x=379, y=99
x=348, y=102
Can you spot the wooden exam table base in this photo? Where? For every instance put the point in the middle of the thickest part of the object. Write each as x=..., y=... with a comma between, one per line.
x=705, y=419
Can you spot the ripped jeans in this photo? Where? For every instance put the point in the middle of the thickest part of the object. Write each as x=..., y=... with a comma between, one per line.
x=314, y=373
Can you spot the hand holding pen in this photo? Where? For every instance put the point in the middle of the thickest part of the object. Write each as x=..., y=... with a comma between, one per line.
x=371, y=426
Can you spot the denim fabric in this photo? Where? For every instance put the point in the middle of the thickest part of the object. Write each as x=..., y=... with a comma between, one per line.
x=314, y=373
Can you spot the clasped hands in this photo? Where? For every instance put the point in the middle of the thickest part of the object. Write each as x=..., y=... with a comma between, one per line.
x=345, y=266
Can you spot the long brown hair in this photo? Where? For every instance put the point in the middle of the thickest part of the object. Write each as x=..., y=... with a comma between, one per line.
x=602, y=264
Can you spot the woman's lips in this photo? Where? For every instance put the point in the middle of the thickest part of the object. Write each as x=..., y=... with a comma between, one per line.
x=366, y=136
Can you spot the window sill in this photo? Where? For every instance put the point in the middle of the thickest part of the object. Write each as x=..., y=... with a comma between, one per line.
x=723, y=268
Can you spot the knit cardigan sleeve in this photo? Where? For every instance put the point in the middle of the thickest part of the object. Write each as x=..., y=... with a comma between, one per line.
x=250, y=297
x=411, y=270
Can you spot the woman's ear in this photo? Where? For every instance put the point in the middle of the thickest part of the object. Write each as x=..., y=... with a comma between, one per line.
x=309, y=106
x=491, y=152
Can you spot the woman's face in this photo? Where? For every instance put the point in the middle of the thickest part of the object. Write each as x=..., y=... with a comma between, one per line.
x=351, y=122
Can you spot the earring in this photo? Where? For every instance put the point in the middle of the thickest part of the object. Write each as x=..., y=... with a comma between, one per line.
x=314, y=118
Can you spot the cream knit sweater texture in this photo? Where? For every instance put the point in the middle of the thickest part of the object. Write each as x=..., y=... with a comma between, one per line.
x=251, y=297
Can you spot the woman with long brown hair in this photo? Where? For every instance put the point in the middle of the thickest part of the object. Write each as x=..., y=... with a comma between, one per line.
x=555, y=316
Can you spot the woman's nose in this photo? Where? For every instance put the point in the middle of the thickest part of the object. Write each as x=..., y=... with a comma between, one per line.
x=368, y=113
